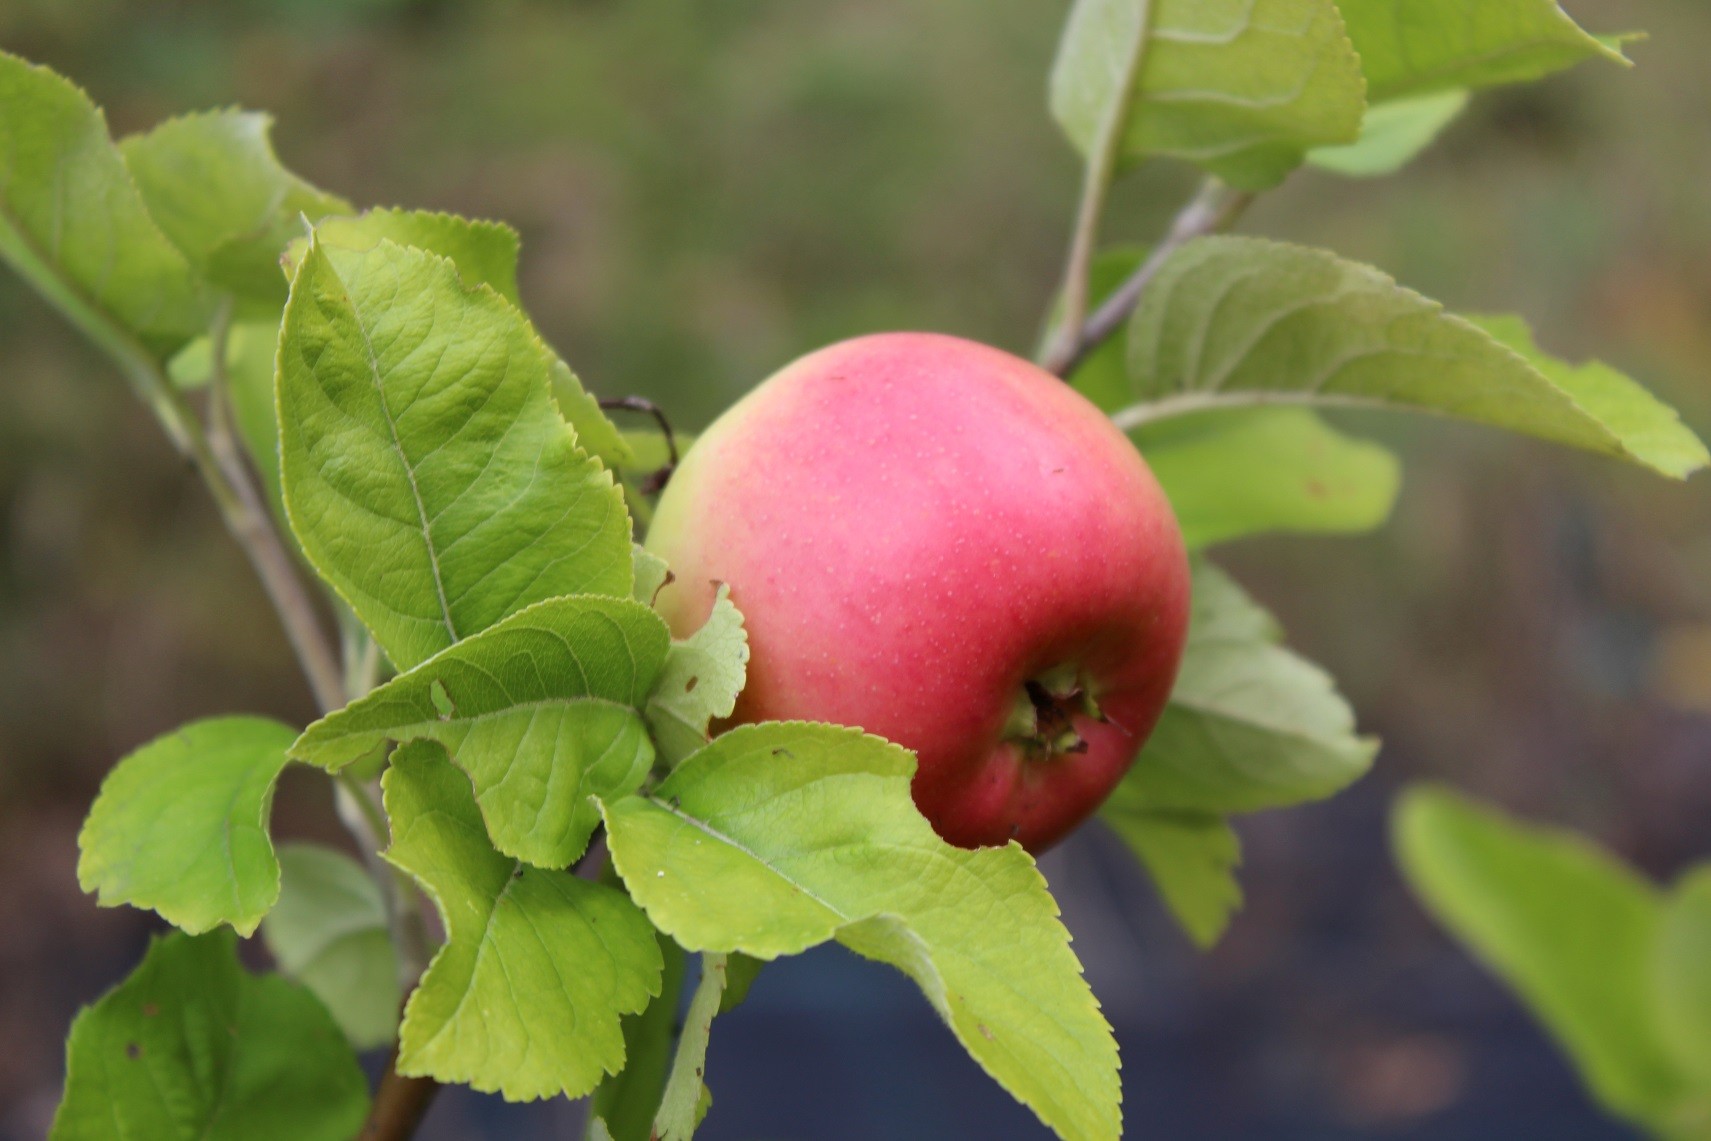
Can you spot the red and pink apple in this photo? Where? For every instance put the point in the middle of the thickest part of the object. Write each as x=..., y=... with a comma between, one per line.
x=944, y=545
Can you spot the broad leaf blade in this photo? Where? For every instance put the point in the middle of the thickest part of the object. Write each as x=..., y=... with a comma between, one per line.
x=1392, y=134
x=1233, y=322
x=538, y=966
x=329, y=933
x=700, y=682
x=484, y=252
x=1648, y=428
x=541, y=710
x=193, y=1048
x=213, y=183
x=777, y=837
x=180, y=825
x=1249, y=725
x=428, y=473
x=1192, y=858
x=1241, y=88
x=1572, y=930
x=73, y=222
x=1410, y=47
x=1254, y=471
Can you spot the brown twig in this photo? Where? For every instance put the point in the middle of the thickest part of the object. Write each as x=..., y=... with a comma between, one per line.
x=655, y=481
x=1215, y=209
x=399, y=1105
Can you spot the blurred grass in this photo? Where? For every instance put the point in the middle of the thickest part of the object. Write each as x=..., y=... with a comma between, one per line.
x=706, y=190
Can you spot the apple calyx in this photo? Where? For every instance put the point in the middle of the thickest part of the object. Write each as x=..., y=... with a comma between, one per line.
x=1043, y=713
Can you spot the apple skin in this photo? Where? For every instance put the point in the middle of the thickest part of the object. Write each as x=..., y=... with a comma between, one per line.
x=914, y=526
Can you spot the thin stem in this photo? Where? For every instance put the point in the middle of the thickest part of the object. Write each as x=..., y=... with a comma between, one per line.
x=399, y=1105
x=1083, y=240
x=399, y=1102
x=644, y=405
x=654, y=482
x=221, y=463
x=676, y=1118
x=135, y=361
x=1098, y=174
x=1214, y=210
x=360, y=809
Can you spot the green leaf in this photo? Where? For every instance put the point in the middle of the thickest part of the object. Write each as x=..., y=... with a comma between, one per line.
x=1249, y=725
x=1191, y=856
x=180, y=825
x=1234, y=473
x=780, y=836
x=73, y=223
x=427, y=471
x=1650, y=429
x=541, y=710
x=526, y=994
x=626, y=1101
x=213, y=183
x=1392, y=134
x=1232, y=322
x=484, y=252
x=701, y=680
x=193, y=1048
x=1411, y=47
x=1572, y=930
x=1241, y=88
x=1684, y=975
x=686, y=1092
x=329, y=933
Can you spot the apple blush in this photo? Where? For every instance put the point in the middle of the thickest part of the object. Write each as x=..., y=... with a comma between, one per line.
x=944, y=545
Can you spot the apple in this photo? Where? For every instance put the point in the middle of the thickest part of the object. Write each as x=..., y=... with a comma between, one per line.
x=944, y=545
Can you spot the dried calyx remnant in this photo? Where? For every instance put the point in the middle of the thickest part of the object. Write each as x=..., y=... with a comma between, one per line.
x=1042, y=719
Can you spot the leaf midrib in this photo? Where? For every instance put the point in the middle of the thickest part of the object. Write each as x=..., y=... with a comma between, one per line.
x=403, y=458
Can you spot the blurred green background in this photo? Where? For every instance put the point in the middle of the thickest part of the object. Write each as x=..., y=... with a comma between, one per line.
x=706, y=190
